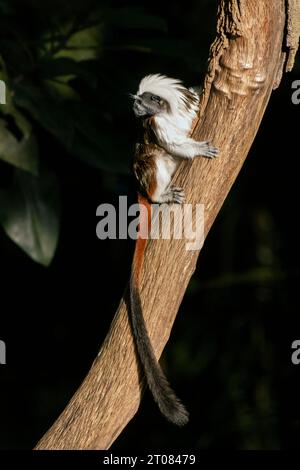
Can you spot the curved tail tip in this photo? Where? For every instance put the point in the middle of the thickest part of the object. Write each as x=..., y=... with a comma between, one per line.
x=182, y=419
x=179, y=416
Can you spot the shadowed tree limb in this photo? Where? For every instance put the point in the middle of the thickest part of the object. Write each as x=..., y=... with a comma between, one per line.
x=246, y=63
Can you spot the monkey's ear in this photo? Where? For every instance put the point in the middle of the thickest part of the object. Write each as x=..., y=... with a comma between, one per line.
x=161, y=102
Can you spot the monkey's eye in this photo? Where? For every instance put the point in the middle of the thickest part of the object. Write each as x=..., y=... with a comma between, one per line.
x=157, y=99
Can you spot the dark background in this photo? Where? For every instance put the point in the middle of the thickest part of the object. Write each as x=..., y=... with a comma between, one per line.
x=69, y=67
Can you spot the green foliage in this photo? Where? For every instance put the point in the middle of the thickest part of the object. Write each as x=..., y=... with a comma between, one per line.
x=30, y=214
x=64, y=80
x=22, y=154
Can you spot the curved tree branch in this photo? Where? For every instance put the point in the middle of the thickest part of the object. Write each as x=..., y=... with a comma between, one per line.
x=246, y=63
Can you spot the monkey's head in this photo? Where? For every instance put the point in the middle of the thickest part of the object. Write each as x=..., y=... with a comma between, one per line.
x=159, y=94
x=148, y=104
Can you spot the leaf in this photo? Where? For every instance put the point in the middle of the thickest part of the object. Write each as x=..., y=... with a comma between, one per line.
x=82, y=45
x=30, y=215
x=52, y=117
x=3, y=80
x=63, y=67
x=9, y=108
x=22, y=154
x=57, y=74
x=81, y=131
x=60, y=90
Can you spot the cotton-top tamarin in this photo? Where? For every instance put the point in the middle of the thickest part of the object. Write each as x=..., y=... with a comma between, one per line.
x=167, y=110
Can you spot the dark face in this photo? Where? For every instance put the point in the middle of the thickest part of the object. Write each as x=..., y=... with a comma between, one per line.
x=146, y=105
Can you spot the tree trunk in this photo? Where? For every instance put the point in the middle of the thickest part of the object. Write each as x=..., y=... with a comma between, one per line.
x=246, y=63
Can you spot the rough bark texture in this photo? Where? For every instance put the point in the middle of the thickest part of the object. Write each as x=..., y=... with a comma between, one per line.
x=293, y=32
x=246, y=63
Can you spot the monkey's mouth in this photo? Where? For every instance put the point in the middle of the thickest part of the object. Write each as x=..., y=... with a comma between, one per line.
x=141, y=110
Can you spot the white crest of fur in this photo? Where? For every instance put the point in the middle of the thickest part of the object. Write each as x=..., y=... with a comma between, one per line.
x=170, y=89
x=172, y=127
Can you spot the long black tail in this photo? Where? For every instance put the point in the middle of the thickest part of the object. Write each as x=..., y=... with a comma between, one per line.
x=168, y=403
